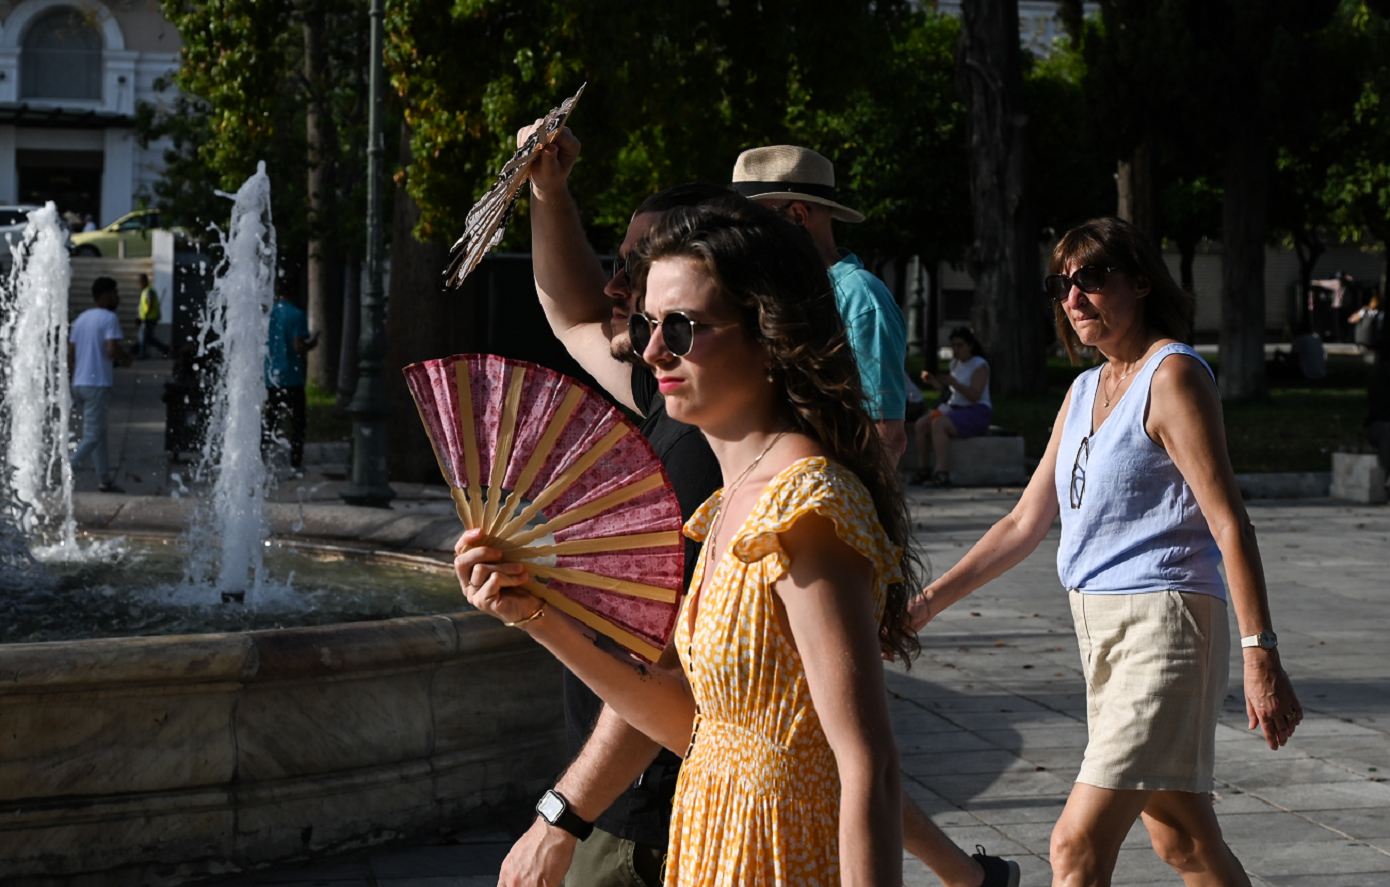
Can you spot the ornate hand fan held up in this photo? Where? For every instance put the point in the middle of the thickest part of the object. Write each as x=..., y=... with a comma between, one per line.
x=519, y=443
x=487, y=220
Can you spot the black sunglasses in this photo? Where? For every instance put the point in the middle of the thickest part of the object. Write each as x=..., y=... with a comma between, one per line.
x=677, y=331
x=1078, y=472
x=621, y=265
x=1088, y=279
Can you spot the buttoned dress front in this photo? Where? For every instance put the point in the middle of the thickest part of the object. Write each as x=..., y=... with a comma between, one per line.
x=759, y=794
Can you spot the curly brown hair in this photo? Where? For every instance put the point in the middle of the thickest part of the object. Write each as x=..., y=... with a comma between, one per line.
x=769, y=269
x=1109, y=241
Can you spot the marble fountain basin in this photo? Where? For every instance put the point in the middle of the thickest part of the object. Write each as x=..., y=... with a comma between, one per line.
x=152, y=759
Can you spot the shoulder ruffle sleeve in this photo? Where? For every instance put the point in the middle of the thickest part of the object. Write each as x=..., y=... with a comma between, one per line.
x=832, y=492
x=698, y=526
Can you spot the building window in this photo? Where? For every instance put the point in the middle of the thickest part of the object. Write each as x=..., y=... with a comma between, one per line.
x=61, y=58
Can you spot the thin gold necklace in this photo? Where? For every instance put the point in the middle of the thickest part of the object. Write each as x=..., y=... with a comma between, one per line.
x=729, y=491
x=1118, y=383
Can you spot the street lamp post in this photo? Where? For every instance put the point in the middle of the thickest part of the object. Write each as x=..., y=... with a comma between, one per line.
x=369, y=411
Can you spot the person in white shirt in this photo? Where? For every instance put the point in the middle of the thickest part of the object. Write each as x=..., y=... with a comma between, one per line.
x=94, y=349
x=965, y=412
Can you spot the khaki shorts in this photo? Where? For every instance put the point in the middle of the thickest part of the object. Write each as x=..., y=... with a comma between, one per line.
x=606, y=860
x=1156, y=666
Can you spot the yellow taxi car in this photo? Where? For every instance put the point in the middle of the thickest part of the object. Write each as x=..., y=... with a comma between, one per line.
x=133, y=229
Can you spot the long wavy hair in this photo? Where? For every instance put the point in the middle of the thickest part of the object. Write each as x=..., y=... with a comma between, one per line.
x=769, y=269
x=1108, y=241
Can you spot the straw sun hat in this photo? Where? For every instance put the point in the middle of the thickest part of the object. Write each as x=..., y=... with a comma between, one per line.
x=788, y=172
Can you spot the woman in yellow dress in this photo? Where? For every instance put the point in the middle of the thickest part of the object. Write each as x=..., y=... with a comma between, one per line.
x=773, y=691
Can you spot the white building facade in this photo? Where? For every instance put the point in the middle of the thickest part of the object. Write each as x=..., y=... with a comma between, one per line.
x=71, y=75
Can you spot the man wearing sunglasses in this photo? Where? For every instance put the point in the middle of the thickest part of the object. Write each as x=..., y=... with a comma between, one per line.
x=607, y=818
x=800, y=185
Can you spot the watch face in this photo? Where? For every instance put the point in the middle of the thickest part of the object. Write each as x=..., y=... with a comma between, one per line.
x=550, y=807
x=1269, y=640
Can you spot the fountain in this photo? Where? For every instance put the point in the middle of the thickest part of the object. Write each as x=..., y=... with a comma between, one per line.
x=36, y=402
x=235, y=325
x=154, y=759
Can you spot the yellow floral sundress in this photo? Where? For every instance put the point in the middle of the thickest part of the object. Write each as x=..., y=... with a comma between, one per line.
x=758, y=798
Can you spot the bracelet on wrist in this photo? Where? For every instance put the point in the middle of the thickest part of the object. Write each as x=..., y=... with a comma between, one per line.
x=532, y=618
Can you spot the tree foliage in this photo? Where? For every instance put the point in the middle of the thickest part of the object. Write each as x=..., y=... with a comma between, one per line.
x=673, y=95
x=239, y=96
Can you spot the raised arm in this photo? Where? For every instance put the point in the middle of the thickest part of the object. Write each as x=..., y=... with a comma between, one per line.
x=827, y=598
x=655, y=699
x=1006, y=544
x=1185, y=419
x=569, y=279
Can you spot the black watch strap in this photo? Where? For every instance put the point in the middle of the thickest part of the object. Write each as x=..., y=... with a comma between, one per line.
x=554, y=809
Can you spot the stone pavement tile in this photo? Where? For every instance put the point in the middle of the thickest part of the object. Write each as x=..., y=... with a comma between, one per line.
x=911, y=719
x=1230, y=800
x=1022, y=738
x=1339, y=880
x=454, y=860
x=1278, y=860
x=1008, y=811
x=1369, y=825
x=1247, y=829
x=1259, y=774
x=964, y=789
x=1329, y=796
x=926, y=766
x=942, y=742
x=1005, y=715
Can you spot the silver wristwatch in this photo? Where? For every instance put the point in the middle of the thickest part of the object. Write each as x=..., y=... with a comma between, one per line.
x=1265, y=640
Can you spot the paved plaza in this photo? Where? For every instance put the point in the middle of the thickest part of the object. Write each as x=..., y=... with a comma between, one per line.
x=990, y=721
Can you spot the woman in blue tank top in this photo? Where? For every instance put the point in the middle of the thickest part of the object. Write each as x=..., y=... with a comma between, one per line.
x=1138, y=471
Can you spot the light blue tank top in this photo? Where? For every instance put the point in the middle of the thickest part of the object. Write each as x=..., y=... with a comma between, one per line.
x=1138, y=528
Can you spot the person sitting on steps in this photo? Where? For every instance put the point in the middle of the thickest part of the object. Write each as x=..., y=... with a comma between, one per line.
x=966, y=412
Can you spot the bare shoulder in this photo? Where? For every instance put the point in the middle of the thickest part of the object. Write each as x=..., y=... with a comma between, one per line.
x=1184, y=377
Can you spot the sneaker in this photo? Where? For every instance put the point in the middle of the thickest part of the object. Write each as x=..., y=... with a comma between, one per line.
x=109, y=488
x=998, y=872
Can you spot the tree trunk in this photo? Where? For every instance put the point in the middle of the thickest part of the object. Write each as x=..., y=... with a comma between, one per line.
x=1134, y=186
x=1008, y=311
x=322, y=308
x=1187, y=254
x=1243, y=264
x=1309, y=248
x=423, y=322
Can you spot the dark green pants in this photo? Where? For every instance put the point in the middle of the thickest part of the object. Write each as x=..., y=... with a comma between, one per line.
x=606, y=860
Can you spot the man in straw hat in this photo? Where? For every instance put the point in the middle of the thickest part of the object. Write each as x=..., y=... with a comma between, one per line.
x=800, y=184
x=616, y=780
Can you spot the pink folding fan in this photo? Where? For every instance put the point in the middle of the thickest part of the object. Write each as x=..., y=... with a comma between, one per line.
x=534, y=456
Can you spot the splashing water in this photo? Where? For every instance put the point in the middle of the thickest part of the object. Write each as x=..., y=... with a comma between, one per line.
x=234, y=330
x=36, y=484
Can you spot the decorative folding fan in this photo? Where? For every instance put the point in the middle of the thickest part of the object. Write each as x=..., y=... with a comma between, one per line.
x=487, y=220
x=531, y=453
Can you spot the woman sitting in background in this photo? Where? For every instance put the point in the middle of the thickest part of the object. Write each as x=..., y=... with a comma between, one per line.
x=966, y=413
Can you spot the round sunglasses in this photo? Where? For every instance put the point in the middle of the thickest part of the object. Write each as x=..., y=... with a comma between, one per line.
x=677, y=331
x=1087, y=278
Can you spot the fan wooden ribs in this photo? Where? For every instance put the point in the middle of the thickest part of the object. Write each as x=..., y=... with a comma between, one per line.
x=559, y=461
x=486, y=222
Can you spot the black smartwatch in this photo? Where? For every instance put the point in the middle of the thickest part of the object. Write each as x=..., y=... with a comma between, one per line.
x=554, y=809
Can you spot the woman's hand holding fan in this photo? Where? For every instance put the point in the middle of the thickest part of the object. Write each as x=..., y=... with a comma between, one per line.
x=554, y=477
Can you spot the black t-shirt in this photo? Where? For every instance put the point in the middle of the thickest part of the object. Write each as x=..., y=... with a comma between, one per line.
x=643, y=812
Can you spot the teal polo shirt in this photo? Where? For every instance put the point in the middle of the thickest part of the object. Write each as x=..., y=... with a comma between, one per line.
x=877, y=335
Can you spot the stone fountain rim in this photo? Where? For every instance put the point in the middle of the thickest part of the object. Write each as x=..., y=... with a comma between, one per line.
x=296, y=653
